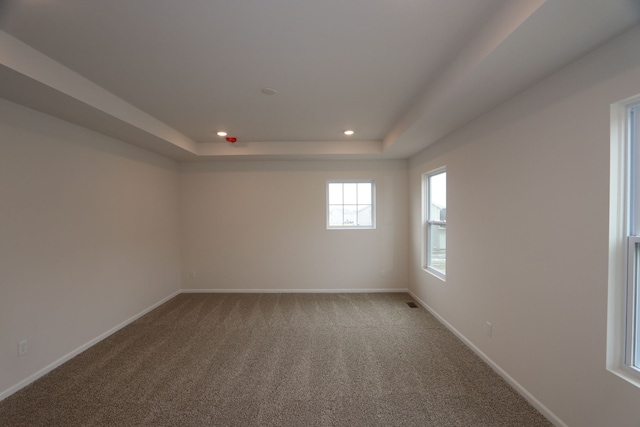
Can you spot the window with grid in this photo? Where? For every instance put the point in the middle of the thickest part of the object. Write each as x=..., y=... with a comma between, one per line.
x=350, y=204
x=632, y=315
x=435, y=222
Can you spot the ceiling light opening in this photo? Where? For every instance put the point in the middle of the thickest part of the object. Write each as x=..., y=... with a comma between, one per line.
x=222, y=133
x=349, y=132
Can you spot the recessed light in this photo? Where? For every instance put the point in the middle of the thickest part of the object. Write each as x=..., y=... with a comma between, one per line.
x=349, y=132
x=222, y=133
x=268, y=91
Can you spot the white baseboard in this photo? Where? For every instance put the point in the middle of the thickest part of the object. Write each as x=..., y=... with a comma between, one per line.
x=553, y=418
x=294, y=291
x=8, y=392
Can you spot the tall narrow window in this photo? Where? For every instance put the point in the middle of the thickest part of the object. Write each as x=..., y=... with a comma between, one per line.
x=623, y=331
x=350, y=204
x=435, y=219
x=632, y=346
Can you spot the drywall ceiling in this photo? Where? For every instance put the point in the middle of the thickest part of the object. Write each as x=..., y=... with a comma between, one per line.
x=167, y=75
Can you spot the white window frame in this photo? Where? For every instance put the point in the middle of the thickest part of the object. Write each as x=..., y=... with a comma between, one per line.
x=632, y=341
x=427, y=221
x=632, y=336
x=623, y=333
x=373, y=205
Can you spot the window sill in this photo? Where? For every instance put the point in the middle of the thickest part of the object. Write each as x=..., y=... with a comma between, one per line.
x=627, y=374
x=351, y=228
x=435, y=273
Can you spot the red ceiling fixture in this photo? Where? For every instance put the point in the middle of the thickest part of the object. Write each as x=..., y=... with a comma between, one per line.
x=231, y=139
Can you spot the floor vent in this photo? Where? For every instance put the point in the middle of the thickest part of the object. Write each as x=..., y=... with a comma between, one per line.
x=412, y=304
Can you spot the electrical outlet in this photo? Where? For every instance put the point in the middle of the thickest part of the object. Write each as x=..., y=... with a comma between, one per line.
x=382, y=274
x=22, y=348
x=192, y=274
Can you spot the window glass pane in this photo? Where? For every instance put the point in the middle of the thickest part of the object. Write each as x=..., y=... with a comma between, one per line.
x=335, y=193
x=350, y=193
x=350, y=204
x=636, y=307
x=634, y=128
x=364, y=193
x=632, y=343
x=435, y=210
x=438, y=247
x=636, y=350
x=335, y=215
x=350, y=215
x=633, y=290
x=438, y=197
x=364, y=215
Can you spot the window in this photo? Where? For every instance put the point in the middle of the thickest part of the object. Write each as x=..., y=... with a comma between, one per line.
x=435, y=222
x=623, y=348
x=632, y=346
x=350, y=204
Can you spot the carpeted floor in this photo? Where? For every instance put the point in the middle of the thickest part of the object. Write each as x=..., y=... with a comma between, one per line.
x=275, y=360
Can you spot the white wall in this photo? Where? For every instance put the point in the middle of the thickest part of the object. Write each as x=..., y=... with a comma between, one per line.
x=88, y=237
x=528, y=194
x=262, y=226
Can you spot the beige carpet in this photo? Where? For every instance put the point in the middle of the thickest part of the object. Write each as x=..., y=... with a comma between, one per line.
x=275, y=360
